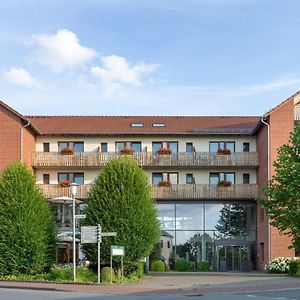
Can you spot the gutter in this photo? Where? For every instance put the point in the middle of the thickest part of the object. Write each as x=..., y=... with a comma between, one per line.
x=22, y=140
x=268, y=177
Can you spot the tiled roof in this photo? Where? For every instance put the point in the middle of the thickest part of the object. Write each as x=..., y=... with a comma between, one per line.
x=122, y=124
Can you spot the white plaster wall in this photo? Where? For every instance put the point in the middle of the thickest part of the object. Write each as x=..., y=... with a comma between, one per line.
x=201, y=144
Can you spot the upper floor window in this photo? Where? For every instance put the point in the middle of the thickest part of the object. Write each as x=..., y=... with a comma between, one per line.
x=246, y=147
x=136, y=146
x=75, y=146
x=217, y=146
x=216, y=178
x=103, y=147
x=71, y=177
x=46, y=147
x=189, y=147
x=46, y=178
x=246, y=178
x=173, y=146
x=170, y=177
x=190, y=179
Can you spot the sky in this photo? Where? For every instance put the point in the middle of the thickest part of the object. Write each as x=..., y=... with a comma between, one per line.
x=148, y=57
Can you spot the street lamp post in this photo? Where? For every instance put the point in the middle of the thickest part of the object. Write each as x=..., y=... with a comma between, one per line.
x=73, y=192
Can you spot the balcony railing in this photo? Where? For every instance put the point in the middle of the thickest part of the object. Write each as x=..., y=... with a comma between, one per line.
x=176, y=191
x=147, y=159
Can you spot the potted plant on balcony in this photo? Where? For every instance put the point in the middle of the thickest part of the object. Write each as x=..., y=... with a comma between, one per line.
x=165, y=183
x=224, y=183
x=223, y=151
x=127, y=151
x=67, y=150
x=65, y=183
x=164, y=151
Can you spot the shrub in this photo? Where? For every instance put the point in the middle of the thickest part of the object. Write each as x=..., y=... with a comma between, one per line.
x=181, y=265
x=140, y=266
x=158, y=266
x=279, y=265
x=203, y=266
x=294, y=269
x=27, y=226
x=106, y=273
x=120, y=200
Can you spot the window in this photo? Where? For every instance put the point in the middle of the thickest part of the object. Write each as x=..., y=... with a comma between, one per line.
x=189, y=147
x=246, y=147
x=46, y=178
x=215, y=178
x=158, y=177
x=161, y=243
x=190, y=179
x=72, y=177
x=137, y=125
x=169, y=244
x=158, y=124
x=173, y=146
x=46, y=147
x=103, y=147
x=136, y=146
x=246, y=178
x=76, y=146
x=214, y=146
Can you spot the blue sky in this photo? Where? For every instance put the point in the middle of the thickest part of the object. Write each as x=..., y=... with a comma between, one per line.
x=109, y=57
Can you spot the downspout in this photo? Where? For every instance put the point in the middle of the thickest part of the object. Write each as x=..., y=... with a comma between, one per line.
x=268, y=177
x=22, y=140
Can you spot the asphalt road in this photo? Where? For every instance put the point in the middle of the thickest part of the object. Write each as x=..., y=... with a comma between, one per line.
x=24, y=294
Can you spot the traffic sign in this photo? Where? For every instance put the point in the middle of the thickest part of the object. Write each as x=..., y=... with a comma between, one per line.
x=117, y=250
x=88, y=234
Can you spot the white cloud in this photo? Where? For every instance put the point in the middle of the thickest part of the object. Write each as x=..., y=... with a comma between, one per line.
x=60, y=51
x=116, y=70
x=20, y=76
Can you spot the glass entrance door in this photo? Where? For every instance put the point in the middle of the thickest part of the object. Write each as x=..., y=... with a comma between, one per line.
x=232, y=258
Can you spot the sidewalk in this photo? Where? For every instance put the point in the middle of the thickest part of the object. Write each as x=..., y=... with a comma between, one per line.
x=183, y=284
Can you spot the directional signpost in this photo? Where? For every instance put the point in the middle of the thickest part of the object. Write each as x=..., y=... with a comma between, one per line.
x=92, y=235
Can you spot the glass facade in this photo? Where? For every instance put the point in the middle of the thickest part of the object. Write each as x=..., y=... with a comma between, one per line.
x=224, y=234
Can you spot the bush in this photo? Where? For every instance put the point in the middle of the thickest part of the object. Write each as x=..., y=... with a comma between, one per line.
x=158, y=266
x=27, y=226
x=140, y=266
x=279, y=265
x=181, y=265
x=203, y=266
x=65, y=273
x=106, y=273
x=294, y=267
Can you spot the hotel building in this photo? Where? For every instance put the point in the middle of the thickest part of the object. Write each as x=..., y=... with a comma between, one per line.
x=205, y=174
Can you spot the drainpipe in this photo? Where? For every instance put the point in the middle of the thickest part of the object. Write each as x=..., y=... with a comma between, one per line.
x=268, y=177
x=22, y=138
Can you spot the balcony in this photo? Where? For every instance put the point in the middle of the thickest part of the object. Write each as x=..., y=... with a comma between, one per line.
x=175, y=192
x=146, y=159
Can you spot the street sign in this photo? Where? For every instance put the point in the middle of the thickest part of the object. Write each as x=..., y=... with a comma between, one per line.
x=80, y=216
x=109, y=234
x=88, y=234
x=117, y=250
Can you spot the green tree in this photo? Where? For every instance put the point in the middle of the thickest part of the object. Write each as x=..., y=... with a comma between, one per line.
x=283, y=190
x=27, y=227
x=120, y=201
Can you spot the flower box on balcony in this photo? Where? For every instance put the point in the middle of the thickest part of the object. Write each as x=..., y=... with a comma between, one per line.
x=127, y=151
x=224, y=183
x=165, y=183
x=223, y=151
x=164, y=151
x=65, y=183
x=67, y=150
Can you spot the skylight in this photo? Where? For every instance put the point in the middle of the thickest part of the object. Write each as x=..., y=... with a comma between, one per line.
x=158, y=124
x=137, y=125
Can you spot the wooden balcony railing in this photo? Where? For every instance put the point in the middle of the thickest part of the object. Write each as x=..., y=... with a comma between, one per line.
x=176, y=191
x=147, y=159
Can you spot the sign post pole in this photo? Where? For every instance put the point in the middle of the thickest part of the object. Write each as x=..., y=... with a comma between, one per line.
x=99, y=232
x=110, y=265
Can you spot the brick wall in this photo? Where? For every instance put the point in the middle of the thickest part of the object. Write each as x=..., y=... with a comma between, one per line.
x=281, y=124
x=9, y=138
x=28, y=145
